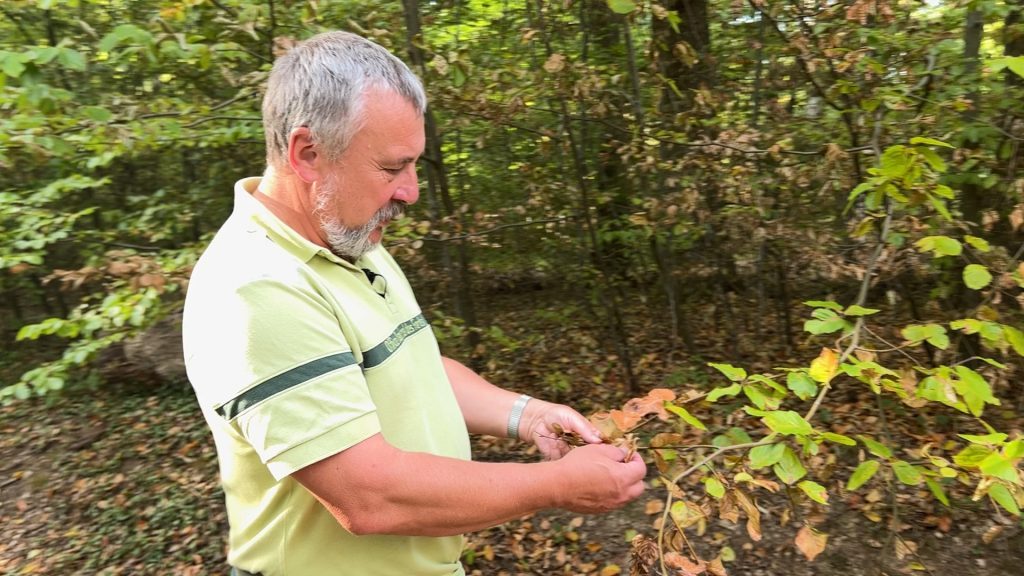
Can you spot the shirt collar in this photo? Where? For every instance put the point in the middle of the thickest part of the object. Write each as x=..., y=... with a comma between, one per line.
x=248, y=207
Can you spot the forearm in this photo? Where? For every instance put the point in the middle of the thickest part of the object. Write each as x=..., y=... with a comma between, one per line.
x=485, y=407
x=412, y=493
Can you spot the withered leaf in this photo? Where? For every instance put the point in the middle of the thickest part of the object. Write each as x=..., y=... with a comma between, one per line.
x=810, y=542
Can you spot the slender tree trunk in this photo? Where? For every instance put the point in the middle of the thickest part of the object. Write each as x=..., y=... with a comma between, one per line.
x=461, y=287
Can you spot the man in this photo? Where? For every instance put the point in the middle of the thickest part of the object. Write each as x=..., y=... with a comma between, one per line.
x=341, y=431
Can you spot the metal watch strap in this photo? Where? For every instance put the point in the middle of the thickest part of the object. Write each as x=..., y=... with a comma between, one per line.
x=516, y=415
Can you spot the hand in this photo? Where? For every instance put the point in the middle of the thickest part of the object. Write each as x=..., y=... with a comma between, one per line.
x=597, y=479
x=543, y=422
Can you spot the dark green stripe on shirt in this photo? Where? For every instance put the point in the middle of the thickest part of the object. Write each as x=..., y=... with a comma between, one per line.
x=284, y=381
x=381, y=352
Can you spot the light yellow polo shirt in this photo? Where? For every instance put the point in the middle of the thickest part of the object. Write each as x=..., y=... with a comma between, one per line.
x=296, y=355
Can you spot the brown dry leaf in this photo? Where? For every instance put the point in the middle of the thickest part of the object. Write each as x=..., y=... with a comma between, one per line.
x=727, y=508
x=810, y=542
x=653, y=403
x=643, y=553
x=606, y=426
x=555, y=63
x=716, y=568
x=991, y=534
x=1017, y=217
x=684, y=565
x=753, y=514
x=654, y=506
x=611, y=570
x=905, y=548
x=666, y=439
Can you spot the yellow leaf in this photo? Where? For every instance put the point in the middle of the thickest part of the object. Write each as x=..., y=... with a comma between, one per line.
x=810, y=542
x=824, y=367
x=611, y=570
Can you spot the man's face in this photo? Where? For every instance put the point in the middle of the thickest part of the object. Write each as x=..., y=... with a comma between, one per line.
x=374, y=179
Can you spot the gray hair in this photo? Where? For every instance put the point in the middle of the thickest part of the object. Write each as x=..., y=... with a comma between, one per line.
x=321, y=84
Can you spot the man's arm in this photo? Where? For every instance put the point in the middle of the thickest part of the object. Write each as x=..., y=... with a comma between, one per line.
x=375, y=488
x=486, y=408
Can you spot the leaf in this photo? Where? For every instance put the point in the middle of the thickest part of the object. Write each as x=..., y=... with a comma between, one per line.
x=827, y=326
x=731, y=372
x=996, y=438
x=724, y=391
x=683, y=565
x=814, y=491
x=998, y=466
x=789, y=469
x=974, y=389
x=930, y=142
x=1015, y=338
x=810, y=542
x=979, y=244
x=686, y=514
x=71, y=59
x=1002, y=496
x=764, y=456
x=971, y=456
x=787, y=422
x=907, y=473
x=864, y=471
x=753, y=513
x=838, y=439
x=824, y=304
x=823, y=368
x=940, y=245
x=622, y=6
x=802, y=385
x=937, y=491
x=714, y=487
x=876, y=448
x=686, y=416
x=976, y=276
x=857, y=310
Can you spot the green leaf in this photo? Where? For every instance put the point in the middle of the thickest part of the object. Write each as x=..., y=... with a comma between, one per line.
x=97, y=113
x=971, y=456
x=802, y=385
x=815, y=491
x=937, y=491
x=907, y=473
x=996, y=438
x=12, y=64
x=731, y=372
x=824, y=304
x=976, y=276
x=929, y=142
x=979, y=244
x=759, y=398
x=856, y=310
x=1000, y=467
x=686, y=416
x=933, y=333
x=937, y=164
x=940, y=245
x=838, y=439
x=1015, y=338
x=975, y=390
x=789, y=469
x=864, y=471
x=787, y=422
x=1014, y=450
x=72, y=59
x=1002, y=496
x=714, y=487
x=876, y=448
x=622, y=6
x=1014, y=63
x=724, y=391
x=767, y=455
x=829, y=326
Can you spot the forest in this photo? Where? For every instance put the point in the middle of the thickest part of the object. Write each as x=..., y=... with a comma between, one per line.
x=775, y=246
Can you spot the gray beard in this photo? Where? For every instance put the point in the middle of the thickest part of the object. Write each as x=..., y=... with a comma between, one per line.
x=346, y=242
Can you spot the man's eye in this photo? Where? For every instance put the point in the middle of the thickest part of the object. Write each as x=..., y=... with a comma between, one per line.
x=394, y=171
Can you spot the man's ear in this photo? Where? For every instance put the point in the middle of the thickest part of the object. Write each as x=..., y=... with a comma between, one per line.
x=303, y=156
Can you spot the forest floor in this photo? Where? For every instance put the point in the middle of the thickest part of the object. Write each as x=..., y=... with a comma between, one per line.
x=124, y=481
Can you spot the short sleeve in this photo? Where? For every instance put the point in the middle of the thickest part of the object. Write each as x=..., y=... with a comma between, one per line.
x=271, y=358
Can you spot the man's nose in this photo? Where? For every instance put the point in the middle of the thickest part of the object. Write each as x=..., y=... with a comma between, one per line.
x=409, y=190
